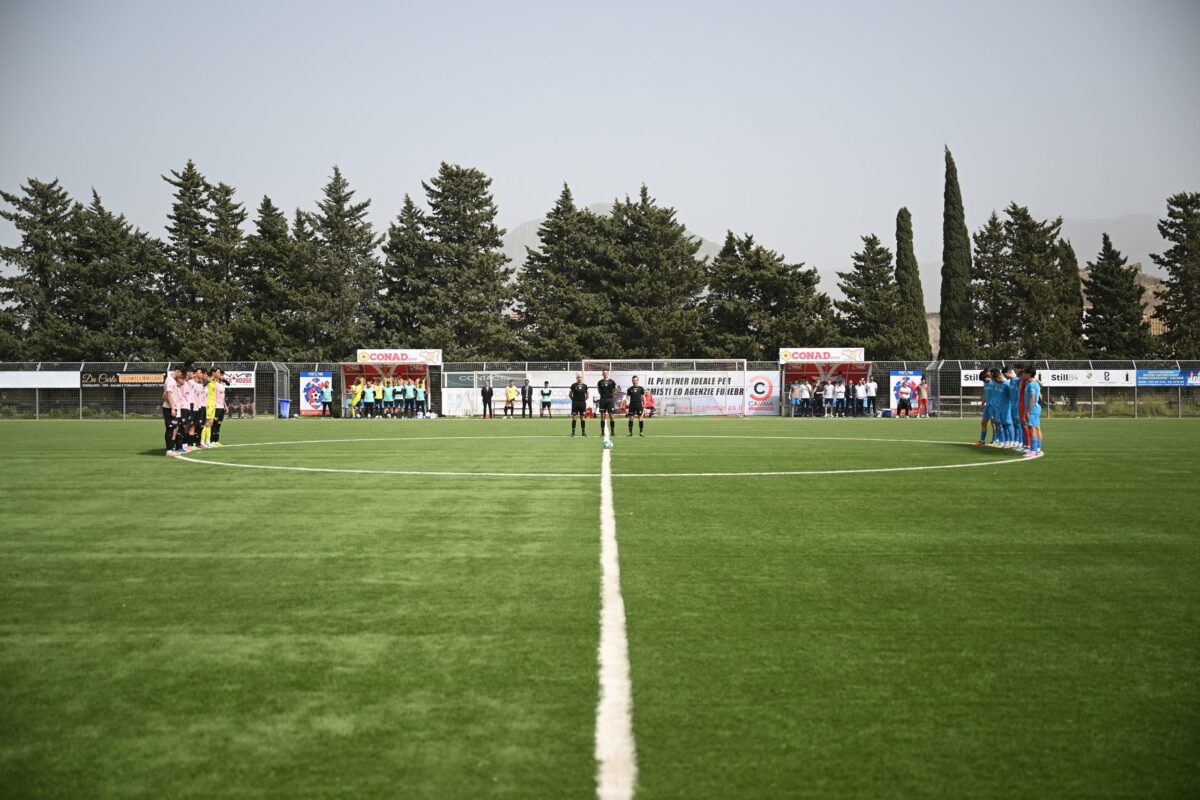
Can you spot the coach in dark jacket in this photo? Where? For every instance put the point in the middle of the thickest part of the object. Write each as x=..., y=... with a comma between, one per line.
x=527, y=400
x=486, y=394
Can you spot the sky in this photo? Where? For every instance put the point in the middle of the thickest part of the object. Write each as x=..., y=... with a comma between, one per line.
x=806, y=124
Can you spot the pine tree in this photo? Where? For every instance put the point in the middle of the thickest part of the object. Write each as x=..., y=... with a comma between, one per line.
x=349, y=269
x=1179, y=306
x=224, y=248
x=956, y=340
x=758, y=303
x=1115, y=326
x=261, y=326
x=655, y=282
x=29, y=297
x=993, y=293
x=560, y=292
x=1043, y=324
x=469, y=262
x=111, y=302
x=912, y=296
x=1070, y=293
x=871, y=311
x=322, y=327
x=411, y=284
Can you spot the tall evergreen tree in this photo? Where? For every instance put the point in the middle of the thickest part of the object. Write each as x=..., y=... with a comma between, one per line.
x=472, y=278
x=1043, y=323
x=1070, y=291
x=871, y=311
x=322, y=327
x=1116, y=325
x=111, y=302
x=758, y=303
x=1179, y=306
x=993, y=293
x=564, y=311
x=414, y=299
x=956, y=340
x=349, y=269
x=40, y=264
x=912, y=297
x=655, y=282
x=262, y=325
x=225, y=263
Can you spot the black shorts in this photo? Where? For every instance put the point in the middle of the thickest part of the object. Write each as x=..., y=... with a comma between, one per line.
x=578, y=408
x=545, y=404
x=199, y=415
x=169, y=419
x=606, y=406
x=220, y=414
x=635, y=411
x=185, y=416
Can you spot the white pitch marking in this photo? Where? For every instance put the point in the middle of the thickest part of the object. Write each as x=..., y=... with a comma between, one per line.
x=462, y=474
x=616, y=758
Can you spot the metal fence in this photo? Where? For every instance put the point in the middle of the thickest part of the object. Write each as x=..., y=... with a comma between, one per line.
x=275, y=381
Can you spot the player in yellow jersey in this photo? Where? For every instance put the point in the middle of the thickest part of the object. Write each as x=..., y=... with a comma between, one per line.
x=210, y=408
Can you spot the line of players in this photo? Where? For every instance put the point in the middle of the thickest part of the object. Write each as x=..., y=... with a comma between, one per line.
x=193, y=408
x=1012, y=403
x=606, y=405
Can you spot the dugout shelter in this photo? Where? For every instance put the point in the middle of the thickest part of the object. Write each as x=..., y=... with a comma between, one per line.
x=847, y=364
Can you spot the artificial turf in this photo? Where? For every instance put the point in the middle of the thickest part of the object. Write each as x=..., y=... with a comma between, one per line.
x=193, y=630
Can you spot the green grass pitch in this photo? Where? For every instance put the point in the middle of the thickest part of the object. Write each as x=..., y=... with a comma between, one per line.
x=351, y=629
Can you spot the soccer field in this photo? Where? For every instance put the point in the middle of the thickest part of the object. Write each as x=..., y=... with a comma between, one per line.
x=830, y=608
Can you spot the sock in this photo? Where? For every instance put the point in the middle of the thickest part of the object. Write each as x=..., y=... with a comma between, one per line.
x=583, y=425
x=573, y=426
x=631, y=426
x=641, y=425
x=167, y=439
x=216, y=433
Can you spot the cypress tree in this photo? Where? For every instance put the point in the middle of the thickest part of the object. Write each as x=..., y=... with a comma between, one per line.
x=564, y=310
x=1070, y=292
x=993, y=293
x=956, y=340
x=758, y=303
x=1115, y=326
x=1179, y=306
x=871, y=311
x=472, y=287
x=40, y=265
x=655, y=281
x=912, y=296
x=413, y=289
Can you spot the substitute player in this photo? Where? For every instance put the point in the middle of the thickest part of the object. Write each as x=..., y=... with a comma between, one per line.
x=607, y=388
x=546, y=393
x=578, y=392
x=635, y=396
x=1033, y=413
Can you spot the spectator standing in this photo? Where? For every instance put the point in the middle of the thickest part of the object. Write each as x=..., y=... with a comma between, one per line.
x=326, y=400
x=860, y=398
x=794, y=398
x=839, y=399
x=486, y=395
x=510, y=399
x=872, y=390
x=546, y=392
x=923, y=398
x=904, y=399
x=526, y=399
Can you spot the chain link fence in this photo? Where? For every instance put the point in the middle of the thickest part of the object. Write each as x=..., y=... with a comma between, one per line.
x=131, y=390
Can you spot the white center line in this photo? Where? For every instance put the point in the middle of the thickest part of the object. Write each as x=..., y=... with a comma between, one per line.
x=616, y=760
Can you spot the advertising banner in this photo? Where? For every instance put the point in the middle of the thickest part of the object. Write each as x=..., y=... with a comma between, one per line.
x=311, y=384
x=762, y=394
x=393, y=356
x=35, y=379
x=699, y=393
x=1086, y=377
x=119, y=380
x=1168, y=377
x=240, y=378
x=788, y=355
x=911, y=379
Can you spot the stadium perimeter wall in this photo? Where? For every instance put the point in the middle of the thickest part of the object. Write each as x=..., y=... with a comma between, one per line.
x=95, y=390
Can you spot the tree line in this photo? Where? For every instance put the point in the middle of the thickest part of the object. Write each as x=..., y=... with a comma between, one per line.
x=85, y=284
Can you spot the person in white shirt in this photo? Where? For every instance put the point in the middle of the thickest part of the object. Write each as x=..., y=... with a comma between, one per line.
x=904, y=400
x=872, y=390
x=839, y=399
x=860, y=397
x=806, y=399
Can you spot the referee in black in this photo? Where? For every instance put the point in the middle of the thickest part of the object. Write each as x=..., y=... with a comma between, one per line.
x=579, y=395
x=635, y=395
x=607, y=388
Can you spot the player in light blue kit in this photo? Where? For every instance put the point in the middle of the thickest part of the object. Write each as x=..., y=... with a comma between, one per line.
x=1013, y=377
x=987, y=409
x=1033, y=413
x=1000, y=410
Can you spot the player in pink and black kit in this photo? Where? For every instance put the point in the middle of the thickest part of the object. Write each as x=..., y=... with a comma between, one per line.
x=170, y=410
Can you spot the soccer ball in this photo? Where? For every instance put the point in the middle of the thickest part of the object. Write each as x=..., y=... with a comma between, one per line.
x=608, y=444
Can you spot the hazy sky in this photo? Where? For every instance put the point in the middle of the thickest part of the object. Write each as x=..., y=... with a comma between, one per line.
x=807, y=124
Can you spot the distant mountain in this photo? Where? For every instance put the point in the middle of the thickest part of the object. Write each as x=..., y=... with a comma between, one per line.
x=526, y=235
